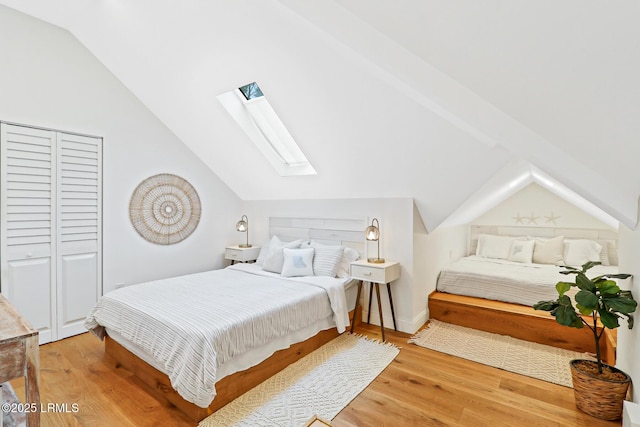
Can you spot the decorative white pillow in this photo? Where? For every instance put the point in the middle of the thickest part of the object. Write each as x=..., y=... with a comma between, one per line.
x=492, y=246
x=275, y=259
x=549, y=251
x=578, y=252
x=266, y=249
x=604, y=253
x=348, y=257
x=521, y=250
x=326, y=259
x=297, y=262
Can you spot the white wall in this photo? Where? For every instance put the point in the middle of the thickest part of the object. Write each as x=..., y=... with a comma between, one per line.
x=50, y=80
x=629, y=340
x=396, y=242
x=436, y=250
x=537, y=207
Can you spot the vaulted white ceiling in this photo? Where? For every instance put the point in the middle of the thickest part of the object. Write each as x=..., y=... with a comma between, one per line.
x=388, y=98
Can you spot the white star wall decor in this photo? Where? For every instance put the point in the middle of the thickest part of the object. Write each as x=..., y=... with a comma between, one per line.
x=519, y=219
x=533, y=219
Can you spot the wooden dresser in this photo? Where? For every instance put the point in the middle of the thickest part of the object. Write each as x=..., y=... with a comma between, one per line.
x=19, y=356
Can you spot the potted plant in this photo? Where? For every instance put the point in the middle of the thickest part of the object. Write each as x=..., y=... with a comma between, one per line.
x=599, y=388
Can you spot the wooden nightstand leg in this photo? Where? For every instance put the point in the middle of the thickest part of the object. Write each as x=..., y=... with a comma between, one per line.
x=380, y=310
x=355, y=309
x=393, y=314
x=370, y=298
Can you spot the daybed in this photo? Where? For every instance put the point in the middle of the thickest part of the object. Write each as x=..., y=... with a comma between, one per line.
x=217, y=334
x=495, y=289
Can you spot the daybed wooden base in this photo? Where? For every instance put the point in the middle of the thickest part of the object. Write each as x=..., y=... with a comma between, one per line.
x=158, y=384
x=518, y=321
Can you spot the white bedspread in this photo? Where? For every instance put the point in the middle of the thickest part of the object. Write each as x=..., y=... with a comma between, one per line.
x=508, y=281
x=193, y=324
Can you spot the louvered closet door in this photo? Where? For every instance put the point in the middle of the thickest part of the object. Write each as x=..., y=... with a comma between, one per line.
x=28, y=221
x=79, y=207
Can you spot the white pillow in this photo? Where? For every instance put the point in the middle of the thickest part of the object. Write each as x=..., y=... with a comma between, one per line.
x=604, y=253
x=326, y=259
x=275, y=259
x=578, y=252
x=492, y=246
x=521, y=250
x=266, y=249
x=348, y=257
x=549, y=251
x=297, y=262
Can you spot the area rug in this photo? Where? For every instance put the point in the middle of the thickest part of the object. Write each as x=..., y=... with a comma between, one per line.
x=500, y=351
x=11, y=418
x=321, y=383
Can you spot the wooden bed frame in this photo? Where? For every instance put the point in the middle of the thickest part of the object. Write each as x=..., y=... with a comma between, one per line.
x=518, y=321
x=331, y=231
x=229, y=388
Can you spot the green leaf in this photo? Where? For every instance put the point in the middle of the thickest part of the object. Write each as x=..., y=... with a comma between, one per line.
x=587, y=265
x=620, y=304
x=618, y=276
x=565, y=313
x=584, y=310
x=630, y=321
x=608, y=319
x=608, y=287
x=566, y=316
x=584, y=283
x=563, y=287
x=587, y=299
x=574, y=271
x=545, y=305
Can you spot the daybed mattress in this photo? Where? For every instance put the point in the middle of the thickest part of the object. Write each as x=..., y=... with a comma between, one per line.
x=514, y=282
x=192, y=326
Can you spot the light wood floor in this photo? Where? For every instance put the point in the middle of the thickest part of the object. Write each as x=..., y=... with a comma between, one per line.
x=420, y=388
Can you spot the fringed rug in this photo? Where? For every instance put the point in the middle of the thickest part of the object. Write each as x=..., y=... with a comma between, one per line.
x=500, y=351
x=321, y=383
x=11, y=419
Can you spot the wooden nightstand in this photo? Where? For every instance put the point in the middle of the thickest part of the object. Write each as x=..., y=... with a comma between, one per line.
x=238, y=254
x=375, y=274
x=20, y=357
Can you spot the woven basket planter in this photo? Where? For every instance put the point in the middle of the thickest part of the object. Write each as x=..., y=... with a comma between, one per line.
x=598, y=397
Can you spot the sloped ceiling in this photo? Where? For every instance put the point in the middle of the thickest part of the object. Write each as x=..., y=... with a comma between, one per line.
x=391, y=98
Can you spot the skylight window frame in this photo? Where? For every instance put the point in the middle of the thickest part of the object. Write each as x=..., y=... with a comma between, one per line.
x=263, y=126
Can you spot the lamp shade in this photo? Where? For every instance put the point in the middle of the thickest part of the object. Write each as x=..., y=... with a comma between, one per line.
x=243, y=226
x=372, y=233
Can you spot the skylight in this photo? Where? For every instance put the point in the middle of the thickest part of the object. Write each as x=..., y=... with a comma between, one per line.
x=251, y=91
x=251, y=110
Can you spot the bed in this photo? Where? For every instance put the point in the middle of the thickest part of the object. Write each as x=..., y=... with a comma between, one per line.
x=504, y=280
x=494, y=289
x=201, y=340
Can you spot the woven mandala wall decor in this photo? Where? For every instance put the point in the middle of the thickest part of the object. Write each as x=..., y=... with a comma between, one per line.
x=164, y=209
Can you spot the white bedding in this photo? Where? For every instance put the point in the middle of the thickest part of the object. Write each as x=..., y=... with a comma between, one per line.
x=191, y=325
x=514, y=282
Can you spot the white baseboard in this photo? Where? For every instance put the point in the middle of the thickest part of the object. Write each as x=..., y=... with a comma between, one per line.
x=408, y=326
x=630, y=414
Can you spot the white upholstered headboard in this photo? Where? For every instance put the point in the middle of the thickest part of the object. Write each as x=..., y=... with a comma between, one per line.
x=330, y=231
x=604, y=234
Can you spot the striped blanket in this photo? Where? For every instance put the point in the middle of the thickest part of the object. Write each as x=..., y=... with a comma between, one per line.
x=508, y=281
x=193, y=324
